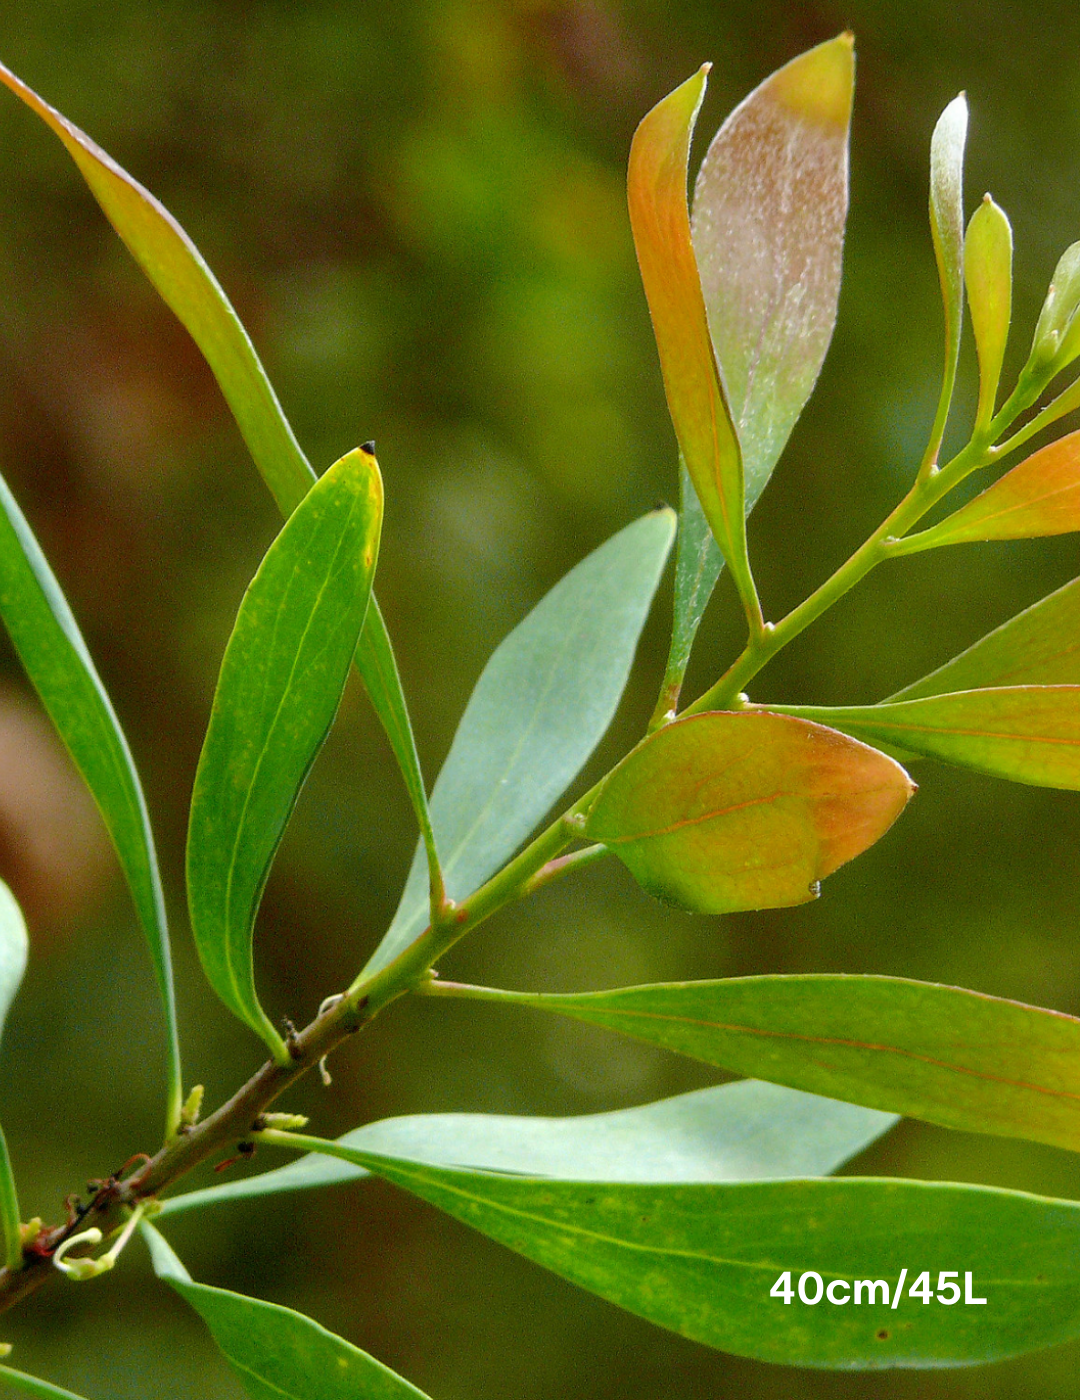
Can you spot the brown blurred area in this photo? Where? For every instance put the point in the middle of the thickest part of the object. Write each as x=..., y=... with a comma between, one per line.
x=419, y=213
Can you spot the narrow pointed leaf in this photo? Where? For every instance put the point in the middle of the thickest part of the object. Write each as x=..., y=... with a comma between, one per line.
x=377, y=665
x=1026, y=733
x=988, y=276
x=32, y=1385
x=770, y=204
x=279, y=1354
x=181, y=276
x=539, y=709
x=948, y=1056
x=1040, y=646
x=698, y=562
x=720, y=811
x=735, y=1132
x=701, y=1259
x=176, y=268
x=13, y=951
x=1039, y=497
x=660, y=220
x=54, y=655
x=947, y=229
x=280, y=685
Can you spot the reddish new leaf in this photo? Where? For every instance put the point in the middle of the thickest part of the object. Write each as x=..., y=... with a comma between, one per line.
x=770, y=204
x=1039, y=497
x=660, y=219
x=727, y=811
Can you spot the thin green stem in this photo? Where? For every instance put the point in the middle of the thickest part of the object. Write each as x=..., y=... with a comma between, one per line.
x=563, y=865
x=509, y=884
x=464, y=991
x=925, y=493
x=9, y=1209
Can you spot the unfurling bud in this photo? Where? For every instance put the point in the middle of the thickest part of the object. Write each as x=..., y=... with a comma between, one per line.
x=988, y=276
x=1057, y=334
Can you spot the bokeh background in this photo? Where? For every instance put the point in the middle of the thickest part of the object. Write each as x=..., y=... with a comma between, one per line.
x=418, y=210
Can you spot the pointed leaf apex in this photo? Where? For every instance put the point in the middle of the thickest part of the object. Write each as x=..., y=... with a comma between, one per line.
x=818, y=85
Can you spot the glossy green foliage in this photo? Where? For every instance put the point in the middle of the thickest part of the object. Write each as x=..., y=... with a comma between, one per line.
x=51, y=648
x=953, y=1057
x=746, y=1131
x=988, y=278
x=1041, y=496
x=280, y=685
x=701, y=1259
x=277, y=1353
x=538, y=710
x=178, y=271
x=947, y=228
x=770, y=204
x=1026, y=733
x=660, y=220
x=724, y=811
x=1040, y=646
x=31, y=1385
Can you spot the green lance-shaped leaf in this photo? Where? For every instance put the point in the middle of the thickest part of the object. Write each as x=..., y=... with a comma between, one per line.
x=744, y=1131
x=988, y=275
x=31, y=1385
x=280, y=686
x=947, y=229
x=178, y=271
x=703, y=1259
x=13, y=950
x=770, y=204
x=539, y=709
x=1039, y=497
x=54, y=655
x=660, y=220
x=724, y=811
x=1040, y=646
x=942, y=1054
x=1026, y=733
x=277, y=1353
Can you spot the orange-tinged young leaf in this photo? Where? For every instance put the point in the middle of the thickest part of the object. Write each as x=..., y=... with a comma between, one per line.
x=1026, y=733
x=770, y=203
x=176, y=268
x=988, y=275
x=725, y=811
x=660, y=220
x=1039, y=497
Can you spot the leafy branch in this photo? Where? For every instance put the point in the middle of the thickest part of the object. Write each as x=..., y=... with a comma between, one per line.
x=725, y=806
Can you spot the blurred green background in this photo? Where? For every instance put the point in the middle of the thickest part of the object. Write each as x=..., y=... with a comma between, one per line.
x=418, y=210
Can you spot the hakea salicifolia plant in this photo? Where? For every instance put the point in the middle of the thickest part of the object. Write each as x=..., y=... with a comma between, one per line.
x=712, y=1213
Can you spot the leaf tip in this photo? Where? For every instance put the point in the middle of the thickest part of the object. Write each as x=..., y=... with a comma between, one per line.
x=819, y=85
